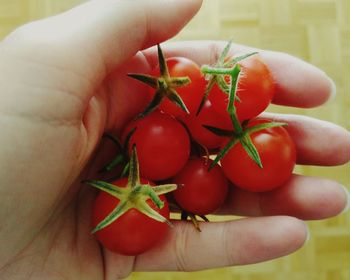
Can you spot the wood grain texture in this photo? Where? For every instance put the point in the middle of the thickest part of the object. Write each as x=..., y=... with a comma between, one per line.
x=317, y=31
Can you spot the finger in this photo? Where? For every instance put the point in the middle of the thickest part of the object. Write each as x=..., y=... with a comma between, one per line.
x=318, y=142
x=307, y=198
x=109, y=32
x=224, y=244
x=298, y=83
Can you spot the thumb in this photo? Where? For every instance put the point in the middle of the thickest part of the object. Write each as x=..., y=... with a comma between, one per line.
x=106, y=32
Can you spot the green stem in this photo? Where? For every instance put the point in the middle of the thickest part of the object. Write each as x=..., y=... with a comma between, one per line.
x=206, y=69
x=134, y=173
x=235, y=122
x=125, y=170
x=223, y=152
x=117, y=160
x=148, y=191
x=234, y=73
x=231, y=108
x=113, y=139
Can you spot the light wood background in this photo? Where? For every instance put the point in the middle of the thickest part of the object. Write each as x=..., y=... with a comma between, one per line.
x=315, y=30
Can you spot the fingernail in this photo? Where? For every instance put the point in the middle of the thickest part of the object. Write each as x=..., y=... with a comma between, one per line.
x=308, y=235
x=333, y=92
x=347, y=206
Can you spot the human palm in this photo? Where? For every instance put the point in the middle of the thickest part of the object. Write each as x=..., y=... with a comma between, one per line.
x=63, y=84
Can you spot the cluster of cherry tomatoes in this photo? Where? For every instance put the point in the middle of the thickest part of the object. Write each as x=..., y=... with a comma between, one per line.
x=198, y=134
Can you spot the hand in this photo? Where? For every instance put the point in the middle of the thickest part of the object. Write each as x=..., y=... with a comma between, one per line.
x=63, y=84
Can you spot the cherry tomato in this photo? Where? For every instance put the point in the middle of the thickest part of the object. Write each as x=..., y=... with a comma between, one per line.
x=190, y=94
x=132, y=233
x=278, y=155
x=207, y=116
x=203, y=191
x=255, y=90
x=162, y=143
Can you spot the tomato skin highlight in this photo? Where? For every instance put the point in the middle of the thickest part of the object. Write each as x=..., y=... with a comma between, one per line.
x=203, y=191
x=278, y=156
x=132, y=233
x=190, y=94
x=163, y=145
x=255, y=90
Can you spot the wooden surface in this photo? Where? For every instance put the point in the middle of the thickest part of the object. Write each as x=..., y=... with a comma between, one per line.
x=315, y=30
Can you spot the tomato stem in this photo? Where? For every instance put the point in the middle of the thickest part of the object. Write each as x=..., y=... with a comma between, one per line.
x=212, y=79
x=134, y=172
x=193, y=218
x=165, y=86
x=233, y=72
x=125, y=170
x=115, y=140
x=233, y=141
x=117, y=160
x=213, y=70
x=217, y=73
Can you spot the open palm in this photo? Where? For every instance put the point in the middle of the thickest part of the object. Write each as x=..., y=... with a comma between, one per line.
x=63, y=84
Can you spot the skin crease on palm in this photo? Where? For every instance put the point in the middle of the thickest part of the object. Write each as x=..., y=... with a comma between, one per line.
x=63, y=83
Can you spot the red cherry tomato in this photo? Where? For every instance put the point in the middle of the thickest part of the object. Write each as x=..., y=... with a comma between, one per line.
x=163, y=145
x=278, y=155
x=203, y=191
x=192, y=93
x=207, y=116
x=255, y=90
x=132, y=233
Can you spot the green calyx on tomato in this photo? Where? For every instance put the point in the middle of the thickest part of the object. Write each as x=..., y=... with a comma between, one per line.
x=134, y=195
x=238, y=134
x=165, y=86
x=241, y=135
x=216, y=75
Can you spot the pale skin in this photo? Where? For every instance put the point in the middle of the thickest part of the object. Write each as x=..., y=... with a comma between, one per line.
x=63, y=84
